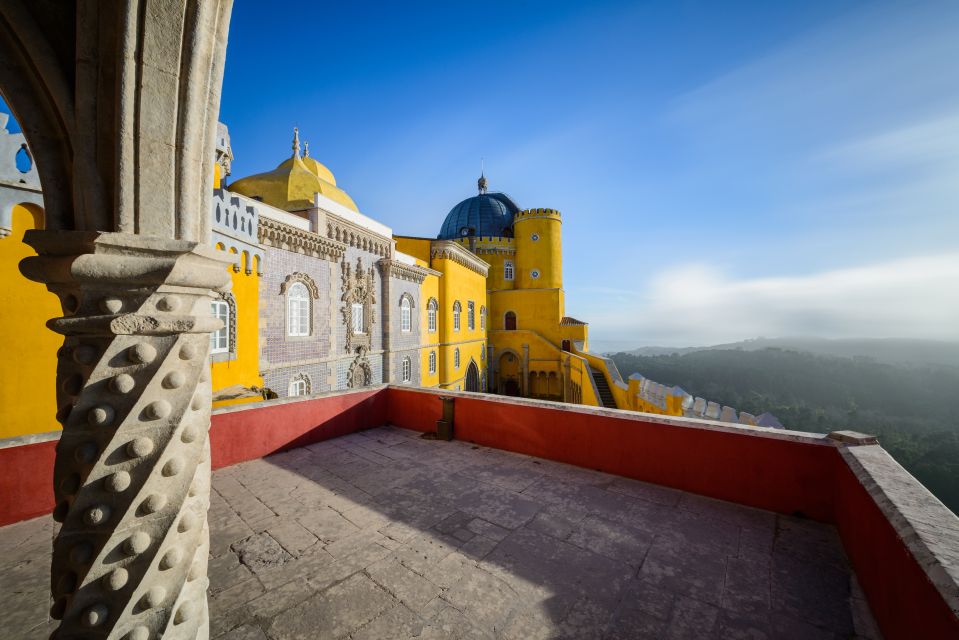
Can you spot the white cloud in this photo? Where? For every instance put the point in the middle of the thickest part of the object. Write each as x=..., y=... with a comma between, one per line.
x=697, y=304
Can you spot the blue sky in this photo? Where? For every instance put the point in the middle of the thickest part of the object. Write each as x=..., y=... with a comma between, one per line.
x=725, y=170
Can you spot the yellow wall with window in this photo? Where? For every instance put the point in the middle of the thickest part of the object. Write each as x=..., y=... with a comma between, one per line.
x=244, y=368
x=28, y=383
x=464, y=285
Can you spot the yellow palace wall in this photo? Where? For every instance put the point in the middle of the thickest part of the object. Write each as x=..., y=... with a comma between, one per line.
x=244, y=369
x=27, y=384
x=461, y=284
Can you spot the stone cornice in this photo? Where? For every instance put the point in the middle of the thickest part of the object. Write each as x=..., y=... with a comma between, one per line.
x=273, y=233
x=449, y=250
x=403, y=271
x=351, y=234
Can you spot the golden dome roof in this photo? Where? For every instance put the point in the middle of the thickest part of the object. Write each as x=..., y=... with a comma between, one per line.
x=293, y=183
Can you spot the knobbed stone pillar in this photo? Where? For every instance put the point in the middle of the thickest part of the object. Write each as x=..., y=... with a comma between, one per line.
x=132, y=474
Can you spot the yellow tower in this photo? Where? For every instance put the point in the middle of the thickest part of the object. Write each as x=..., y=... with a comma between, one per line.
x=537, y=236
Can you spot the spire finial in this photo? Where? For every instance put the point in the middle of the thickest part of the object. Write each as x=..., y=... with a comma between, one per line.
x=296, y=142
x=306, y=149
x=481, y=183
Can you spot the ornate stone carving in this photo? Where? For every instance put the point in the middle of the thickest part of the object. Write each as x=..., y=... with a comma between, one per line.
x=449, y=250
x=273, y=233
x=305, y=279
x=358, y=287
x=403, y=271
x=360, y=373
x=132, y=473
x=357, y=237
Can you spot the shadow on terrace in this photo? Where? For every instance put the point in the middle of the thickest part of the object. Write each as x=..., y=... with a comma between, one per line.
x=362, y=530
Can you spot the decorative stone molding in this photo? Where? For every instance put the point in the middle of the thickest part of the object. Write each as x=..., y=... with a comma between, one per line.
x=403, y=271
x=132, y=473
x=273, y=233
x=360, y=373
x=450, y=250
x=357, y=237
x=306, y=379
x=358, y=287
x=306, y=280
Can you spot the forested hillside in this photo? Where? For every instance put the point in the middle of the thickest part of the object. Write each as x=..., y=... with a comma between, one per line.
x=913, y=409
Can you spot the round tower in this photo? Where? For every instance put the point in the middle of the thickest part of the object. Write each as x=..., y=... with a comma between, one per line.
x=538, y=239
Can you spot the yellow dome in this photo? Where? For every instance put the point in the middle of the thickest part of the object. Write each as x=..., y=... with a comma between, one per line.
x=292, y=184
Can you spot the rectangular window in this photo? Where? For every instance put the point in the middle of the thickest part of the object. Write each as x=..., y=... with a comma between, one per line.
x=471, y=316
x=431, y=317
x=359, y=326
x=508, y=270
x=406, y=315
x=298, y=388
x=432, y=362
x=220, y=339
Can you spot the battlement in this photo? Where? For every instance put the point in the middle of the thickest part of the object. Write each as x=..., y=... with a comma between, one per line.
x=537, y=213
x=653, y=397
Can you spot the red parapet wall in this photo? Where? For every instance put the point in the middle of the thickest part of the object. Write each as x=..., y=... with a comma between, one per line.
x=888, y=572
x=26, y=481
x=254, y=431
x=236, y=435
x=774, y=473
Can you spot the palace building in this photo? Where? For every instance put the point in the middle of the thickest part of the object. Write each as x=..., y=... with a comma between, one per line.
x=326, y=298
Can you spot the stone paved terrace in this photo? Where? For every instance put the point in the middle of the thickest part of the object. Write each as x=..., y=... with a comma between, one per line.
x=383, y=534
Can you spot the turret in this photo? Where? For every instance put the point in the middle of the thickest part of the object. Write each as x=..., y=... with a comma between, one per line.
x=539, y=252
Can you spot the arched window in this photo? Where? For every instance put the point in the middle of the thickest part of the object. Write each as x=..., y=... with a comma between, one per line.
x=483, y=318
x=471, y=315
x=457, y=311
x=299, y=385
x=359, y=322
x=298, y=310
x=406, y=313
x=509, y=321
x=431, y=307
x=507, y=269
x=220, y=339
x=432, y=362
x=407, y=369
x=456, y=358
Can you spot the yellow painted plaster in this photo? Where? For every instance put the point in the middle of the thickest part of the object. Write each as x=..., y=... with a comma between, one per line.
x=28, y=386
x=244, y=368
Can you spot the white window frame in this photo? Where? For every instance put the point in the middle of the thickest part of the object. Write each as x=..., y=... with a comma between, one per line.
x=456, y=358
x=471, y=315
x=297, y=387
x=431, y=308
x=406, y=314
x=220, y=339
x=483, y=318
x=407, y=369
x=298, y=310
x=359, y=318
x=432, y=362
x=508, y=271
x=457, y=312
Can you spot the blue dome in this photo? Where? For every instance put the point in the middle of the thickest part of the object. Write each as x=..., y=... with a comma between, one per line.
x=486, y=214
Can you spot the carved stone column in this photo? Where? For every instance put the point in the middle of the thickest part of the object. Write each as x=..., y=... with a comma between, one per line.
x=132, y=474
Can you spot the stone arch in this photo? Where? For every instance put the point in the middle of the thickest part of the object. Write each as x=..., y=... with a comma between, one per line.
x=472, y=382
x=509, y=371
x=305, y=279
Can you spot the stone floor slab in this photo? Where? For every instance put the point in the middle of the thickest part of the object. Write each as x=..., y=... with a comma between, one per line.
x=383, y=534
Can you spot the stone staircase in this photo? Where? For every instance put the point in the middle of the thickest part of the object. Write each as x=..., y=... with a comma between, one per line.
x=605, y=393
